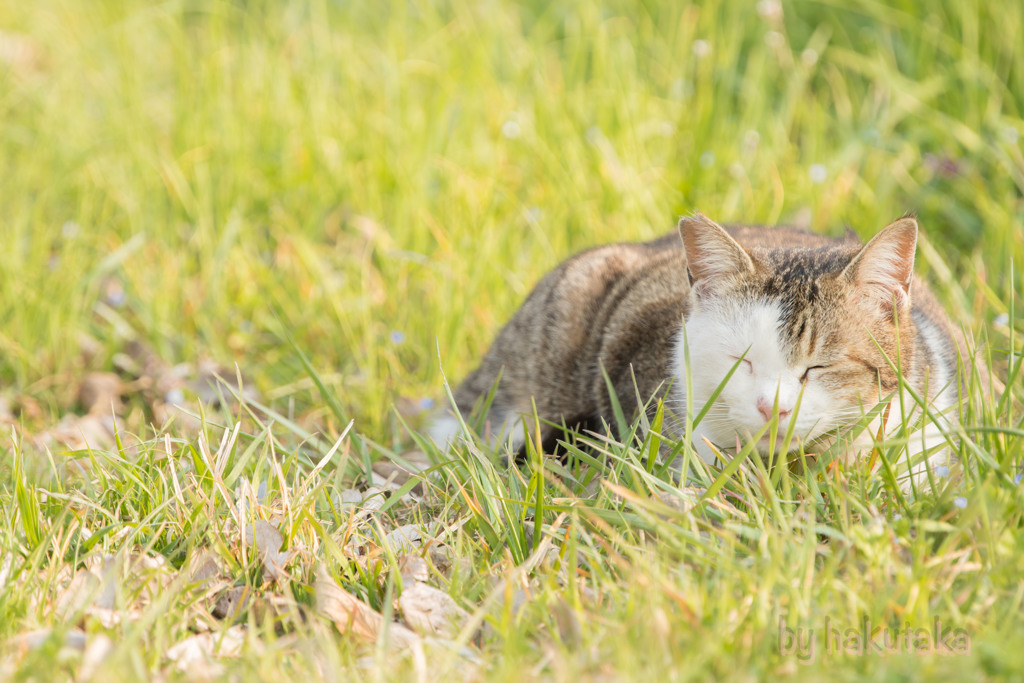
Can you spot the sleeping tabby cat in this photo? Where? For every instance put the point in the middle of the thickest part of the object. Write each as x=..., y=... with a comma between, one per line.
x=801, y=317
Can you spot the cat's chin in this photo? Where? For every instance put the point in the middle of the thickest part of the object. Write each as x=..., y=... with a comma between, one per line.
x=765, y=446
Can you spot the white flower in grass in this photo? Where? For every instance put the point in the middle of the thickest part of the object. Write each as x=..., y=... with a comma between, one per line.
x=115, y=297
x=510, y=129
x=774, y=39
x=770, y=9
x=818, y=173
x=701, y=48
x=751, y=139
x=1001, y=320
x=681, y=89
x=960, y=502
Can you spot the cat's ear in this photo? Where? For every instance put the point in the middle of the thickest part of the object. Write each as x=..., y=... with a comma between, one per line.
x=884, y=268
x=711, y=253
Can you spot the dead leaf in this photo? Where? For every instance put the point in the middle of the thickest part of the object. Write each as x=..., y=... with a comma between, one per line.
x=6, y=414
x=211, y=382
x=568, y=623
x=203, y=647
x=430, y=611
x=413, y=568
x=78, y=433
x=283, y=612
x=97, y=650
x=404, y=539
x=100, y=393
x=389, y=475
x=681, y=500
x=5, y=570
x=231, y=602
x=205, y=567
x=373, y=499
x=267, y=541
x=73, y=638
x=348, y=499
x=100, y=589
x=353, y=616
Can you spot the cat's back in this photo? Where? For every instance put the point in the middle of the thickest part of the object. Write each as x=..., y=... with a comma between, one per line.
x=629, y=279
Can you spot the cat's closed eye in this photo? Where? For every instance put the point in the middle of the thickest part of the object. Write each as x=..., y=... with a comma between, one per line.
x=747, y=363
x=807, y=372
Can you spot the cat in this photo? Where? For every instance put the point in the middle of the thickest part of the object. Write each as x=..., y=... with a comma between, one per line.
x=796, y=316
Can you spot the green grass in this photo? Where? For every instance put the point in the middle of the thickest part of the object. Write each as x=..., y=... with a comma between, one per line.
x=345, y=199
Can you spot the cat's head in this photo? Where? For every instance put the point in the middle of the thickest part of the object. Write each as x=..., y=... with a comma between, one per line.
x=813, y=322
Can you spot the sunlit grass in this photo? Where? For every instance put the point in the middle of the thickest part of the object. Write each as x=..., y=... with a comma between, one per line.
x=347, y=200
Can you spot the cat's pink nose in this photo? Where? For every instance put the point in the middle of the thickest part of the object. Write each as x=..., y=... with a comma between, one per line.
x=764, y=406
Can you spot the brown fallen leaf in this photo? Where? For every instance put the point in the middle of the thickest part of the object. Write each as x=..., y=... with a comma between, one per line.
x=178, y=391
x=567, y=623
x=430, y=611
x=211, y=382
x=6, y=414
x=100, y=393
x=114, y=588
x=353, y=616
x=202, y=648
x=267, y=540
x=74, y=639
x=77, y=433
x=404, y=539
x=231, y=602
x=96, y=652
x=391, y=476
x=204, y=567
x=413, y=568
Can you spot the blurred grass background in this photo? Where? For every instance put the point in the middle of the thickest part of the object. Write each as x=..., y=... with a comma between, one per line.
x=386, y=180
